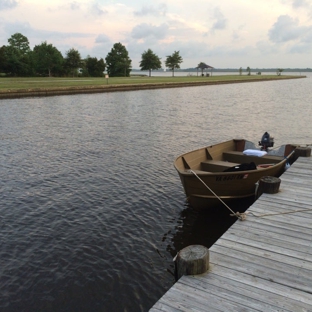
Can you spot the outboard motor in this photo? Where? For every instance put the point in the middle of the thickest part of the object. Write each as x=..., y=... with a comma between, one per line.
x=266, y=142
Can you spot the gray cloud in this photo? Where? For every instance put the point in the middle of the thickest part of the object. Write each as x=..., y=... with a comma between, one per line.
x=74, y=5
x=37, y=35
x=103, y=45
x=301, y=49
x=93, y=8
x=8, y=4
x=308, y=37
x=266, y=48
x=102, y=38
x=235, y=35
x=97, y=10
x=303, y=5
x=17, y=27
x=296, y=4
x=286, y=29
x=220, y=21
x=144, y=30
x=300, y=4
x=151, y=10
x=101, y=50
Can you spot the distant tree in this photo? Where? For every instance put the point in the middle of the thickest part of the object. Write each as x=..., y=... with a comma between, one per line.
x=3, y=59
x=173, y=61
x=150, y=61
x=18, y=56
x=73, y=61
x=240, y=71
x=248, y=71
x=118, y=61
x=279, y=71
x=16, y=64
x=19, y=42
x=94, y=67
x=47, y=59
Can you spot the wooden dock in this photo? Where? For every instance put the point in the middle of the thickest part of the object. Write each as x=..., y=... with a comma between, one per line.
x=261, y=264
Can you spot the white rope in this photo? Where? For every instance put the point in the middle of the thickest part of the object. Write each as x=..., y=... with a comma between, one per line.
x=278, y=213
x=240, y=216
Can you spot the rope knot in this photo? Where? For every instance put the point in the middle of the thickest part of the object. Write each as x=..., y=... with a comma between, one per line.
x=240, y=215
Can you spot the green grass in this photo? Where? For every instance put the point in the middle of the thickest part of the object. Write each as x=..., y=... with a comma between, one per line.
x=37, y=83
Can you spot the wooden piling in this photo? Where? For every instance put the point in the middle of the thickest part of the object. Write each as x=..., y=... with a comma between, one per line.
x=192, y=260
x=269, y=185
x=302, y=152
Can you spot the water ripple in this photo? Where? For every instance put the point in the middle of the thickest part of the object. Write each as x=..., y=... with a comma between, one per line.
x=91, y=206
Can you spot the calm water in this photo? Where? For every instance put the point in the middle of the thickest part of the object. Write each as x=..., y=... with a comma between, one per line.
x=91, y=209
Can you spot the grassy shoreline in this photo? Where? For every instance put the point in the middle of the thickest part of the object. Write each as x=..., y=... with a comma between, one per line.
x=30, y=87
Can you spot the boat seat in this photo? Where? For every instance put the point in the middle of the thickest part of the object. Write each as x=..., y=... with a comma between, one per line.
x=216, y=165
x=242, y=158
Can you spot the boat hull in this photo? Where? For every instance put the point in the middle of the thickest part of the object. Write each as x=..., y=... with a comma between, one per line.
x=205, y=182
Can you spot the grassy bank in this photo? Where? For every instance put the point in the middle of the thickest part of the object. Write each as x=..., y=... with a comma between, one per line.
x=20, y=87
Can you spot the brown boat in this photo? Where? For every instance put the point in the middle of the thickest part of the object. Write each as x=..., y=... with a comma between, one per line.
x=229, y=170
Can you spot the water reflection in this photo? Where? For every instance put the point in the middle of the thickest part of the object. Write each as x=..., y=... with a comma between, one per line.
x=203, y=227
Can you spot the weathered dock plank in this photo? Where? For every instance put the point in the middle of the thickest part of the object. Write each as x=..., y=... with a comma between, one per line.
x=261, y=264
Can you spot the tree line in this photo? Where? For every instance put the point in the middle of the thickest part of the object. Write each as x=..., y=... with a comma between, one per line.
x=17, y=59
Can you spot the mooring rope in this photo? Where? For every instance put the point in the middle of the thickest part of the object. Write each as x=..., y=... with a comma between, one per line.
x=239, y=215
x=278, y=213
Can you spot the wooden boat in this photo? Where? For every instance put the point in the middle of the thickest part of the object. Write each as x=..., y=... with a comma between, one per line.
x=228, y=170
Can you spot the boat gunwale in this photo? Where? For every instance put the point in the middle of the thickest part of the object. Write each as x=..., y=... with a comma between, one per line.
x=187, y=172
x=201, y=148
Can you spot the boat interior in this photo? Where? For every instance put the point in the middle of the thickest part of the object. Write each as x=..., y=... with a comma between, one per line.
x=228, y=155
x=232, y=159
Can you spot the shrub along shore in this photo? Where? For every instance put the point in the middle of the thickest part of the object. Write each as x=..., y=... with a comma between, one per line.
x=32, y=87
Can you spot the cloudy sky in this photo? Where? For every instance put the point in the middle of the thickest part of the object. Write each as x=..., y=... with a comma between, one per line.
x=223, y=33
